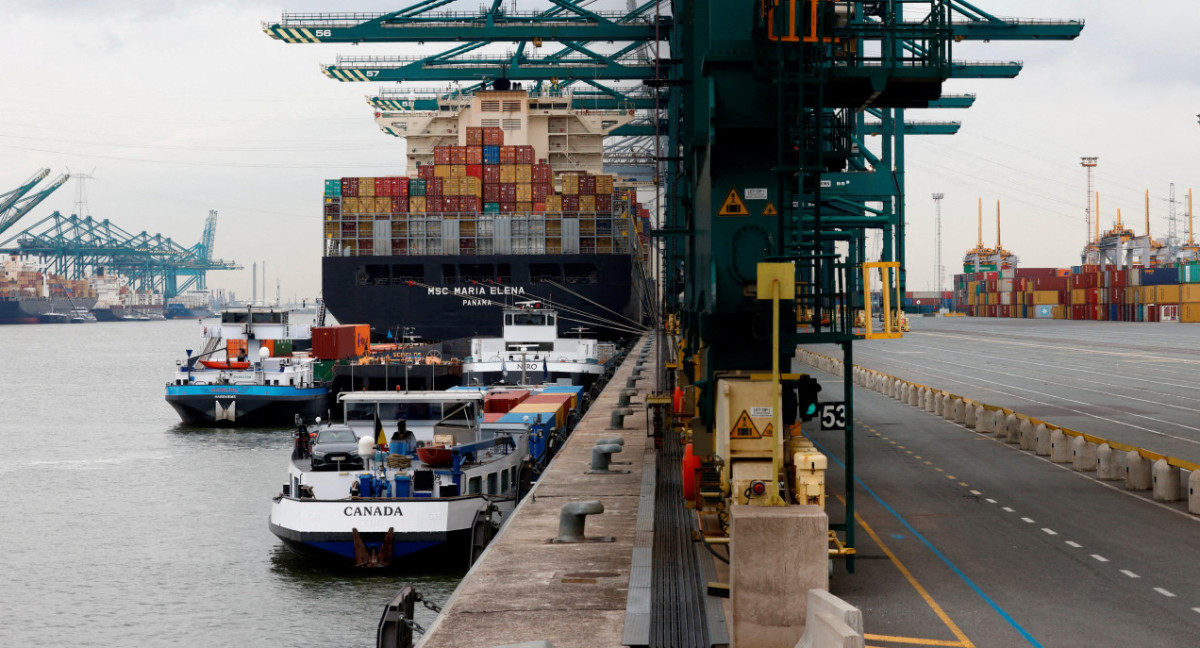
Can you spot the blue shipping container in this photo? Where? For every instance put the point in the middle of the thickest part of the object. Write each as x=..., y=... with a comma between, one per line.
x=1160, y=276
x=491, y=155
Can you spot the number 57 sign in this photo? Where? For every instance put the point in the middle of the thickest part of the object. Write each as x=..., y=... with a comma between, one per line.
x=833, y=416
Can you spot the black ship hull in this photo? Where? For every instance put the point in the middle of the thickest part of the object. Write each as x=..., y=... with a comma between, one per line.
x=458, y=297
x=30, y=311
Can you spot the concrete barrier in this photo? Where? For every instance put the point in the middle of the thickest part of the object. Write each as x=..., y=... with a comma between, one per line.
x=898, y=389
x=1012, y=429
x=929, y=400
x=970, y=415
x=830, y=622
x=1029, y=436
x=1043, y=446
x=1138, y=473
x=914, y=396
x=948, y=407
x=939, y=403
x=1083, y=454
x=1166, y=481
x=1194, y=492
x=1109, y=466
x=1060, y=447
x=983, y=420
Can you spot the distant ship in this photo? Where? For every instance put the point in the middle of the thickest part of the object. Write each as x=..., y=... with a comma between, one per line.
x=28, y=294
x=506, y=202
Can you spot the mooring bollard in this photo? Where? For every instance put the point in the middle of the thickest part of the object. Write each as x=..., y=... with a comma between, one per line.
x=601, y=456
x=571, y=519
x=617, y=420
x=623, y=398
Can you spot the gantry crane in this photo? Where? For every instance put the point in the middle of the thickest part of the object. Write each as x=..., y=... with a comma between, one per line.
x=761, y=113
x=15, y=204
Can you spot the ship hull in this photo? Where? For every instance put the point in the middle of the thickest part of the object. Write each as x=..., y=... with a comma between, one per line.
x=246, y=405
x=27, y=311
x=458, y=297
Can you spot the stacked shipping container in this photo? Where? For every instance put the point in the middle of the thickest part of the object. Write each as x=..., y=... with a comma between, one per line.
x=482, y=198
x=1162, y=293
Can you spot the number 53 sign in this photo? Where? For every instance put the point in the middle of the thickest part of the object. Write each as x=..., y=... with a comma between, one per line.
x=833, y=416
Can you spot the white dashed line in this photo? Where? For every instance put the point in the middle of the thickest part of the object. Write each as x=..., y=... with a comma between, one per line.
x=1099, y=557
x=1027, y=520
x=1006, y=509
x=1049, y=531
x=1196, y=610
x=990, y=501
x=1164, y=592
x=1074, y=544
x=1129, y=573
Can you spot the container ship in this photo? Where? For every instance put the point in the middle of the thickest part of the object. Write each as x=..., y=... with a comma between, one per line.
x=29, y=294
x=505, y=201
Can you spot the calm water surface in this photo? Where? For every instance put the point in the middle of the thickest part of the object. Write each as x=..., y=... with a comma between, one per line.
x=119, y=526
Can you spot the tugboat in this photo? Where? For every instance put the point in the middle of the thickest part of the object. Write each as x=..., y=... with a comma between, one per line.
x=260, y=381
x=530, y=349
x=448, y=476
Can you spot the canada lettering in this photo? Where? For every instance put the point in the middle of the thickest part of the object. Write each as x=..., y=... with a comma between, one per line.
x=371, y=511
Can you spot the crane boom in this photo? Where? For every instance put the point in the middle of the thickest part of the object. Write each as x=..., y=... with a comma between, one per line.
x=14, y=209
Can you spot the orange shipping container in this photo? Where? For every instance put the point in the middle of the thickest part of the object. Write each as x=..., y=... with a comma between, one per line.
x=441, y=170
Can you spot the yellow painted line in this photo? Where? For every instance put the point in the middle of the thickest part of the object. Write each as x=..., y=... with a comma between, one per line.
x=912, y=640
x=900, y=446
x=916, y=456
x=951, y=477
x=908, y=451
x=963, y=484
x=938, y=469
x=929, y=463
x=963, y=642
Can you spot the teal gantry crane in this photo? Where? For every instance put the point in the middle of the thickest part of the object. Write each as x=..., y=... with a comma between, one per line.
x=16, y=203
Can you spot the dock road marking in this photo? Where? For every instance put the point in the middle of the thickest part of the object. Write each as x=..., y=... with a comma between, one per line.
x=1099, y=558
x=1072, y=543
x=1164, y=592
x=1129, y=573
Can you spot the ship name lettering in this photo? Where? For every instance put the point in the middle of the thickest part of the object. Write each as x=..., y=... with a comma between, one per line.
x=436, y=290
x=359, y=511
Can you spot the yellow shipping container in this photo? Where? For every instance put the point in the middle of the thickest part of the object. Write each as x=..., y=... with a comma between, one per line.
x=1189, y=313
x=416, y=204
x=587, y=203
x=1045, y=297
x=470, y=186
x=1147, y=294
x=1167, y=294
x=524, y=173
x=508, y=173
x=441, y=170
x=366, y=187
x=524, y=192
x=570, y=184
x=1189, y=293
x=1059, y=312
x=381, y=205
x=1079, y=295
x=554, y=203
x=458, y=170
x=604, y=184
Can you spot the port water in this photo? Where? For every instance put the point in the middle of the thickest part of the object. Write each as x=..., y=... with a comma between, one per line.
x=122, y=527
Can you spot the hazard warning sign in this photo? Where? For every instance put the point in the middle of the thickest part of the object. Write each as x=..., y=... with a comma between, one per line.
x=733, y=205
x=769, y=431
x=744, y=428
x=770, y=210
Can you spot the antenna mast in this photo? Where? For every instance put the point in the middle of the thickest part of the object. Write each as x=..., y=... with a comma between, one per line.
x=937, y=258
x=1089, y=163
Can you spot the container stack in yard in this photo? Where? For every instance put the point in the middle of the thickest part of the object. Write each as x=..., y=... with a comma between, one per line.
x=1135, y=294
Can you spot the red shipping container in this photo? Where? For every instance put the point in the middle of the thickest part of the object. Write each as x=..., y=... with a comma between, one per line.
x=435, y=187
x=400, y=205
x=508, y=155
x=508, y=207
x=542, y=173
x=340, y=342
x=474, y=136
x=425, y=172
x=570, y=203
x=350, y=187
x=470, y=204
x=458, y=155
x=502, y=402
x=475, y=154
x=401, y=187
x=1035, y=272
x=491, y=174
x=992, y=310
x=604, y=205
x=1005, y=311
x=524, y=154
x=1118, y=279
x=508, y=192
x=491, y=193
x=493, y=136
x=475, y=170
x=433, y=204
x=442, y=155
x=991, y=275
x=587, y=185
x=540, y=191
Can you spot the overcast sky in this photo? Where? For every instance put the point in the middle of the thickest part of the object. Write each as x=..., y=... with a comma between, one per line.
x=178, y=108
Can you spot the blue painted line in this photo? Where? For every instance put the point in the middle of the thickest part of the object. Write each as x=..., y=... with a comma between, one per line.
x=999, y=610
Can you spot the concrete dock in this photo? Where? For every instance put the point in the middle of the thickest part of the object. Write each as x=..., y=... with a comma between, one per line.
x=527, y=588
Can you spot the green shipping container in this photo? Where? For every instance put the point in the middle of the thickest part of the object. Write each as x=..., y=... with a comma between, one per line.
x=416, y=187
x=1189, y=273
